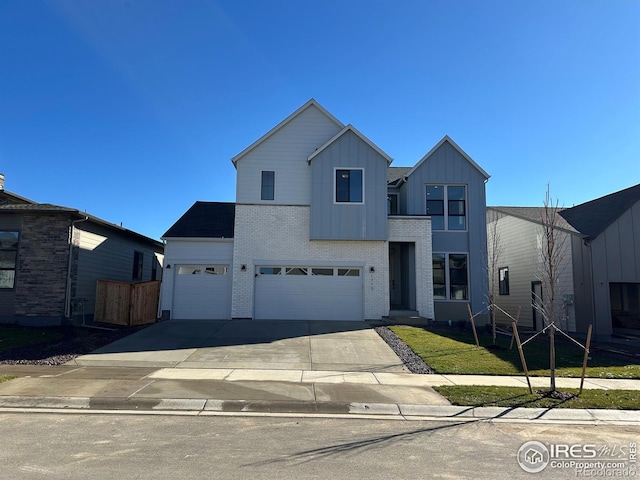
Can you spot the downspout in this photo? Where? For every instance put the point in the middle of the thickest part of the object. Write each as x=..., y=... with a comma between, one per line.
x=67, y=299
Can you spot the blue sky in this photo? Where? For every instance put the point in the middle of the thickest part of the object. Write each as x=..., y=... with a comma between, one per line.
x=131, y=110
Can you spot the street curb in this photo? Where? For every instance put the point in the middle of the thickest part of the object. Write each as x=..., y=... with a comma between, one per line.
x=341, y=409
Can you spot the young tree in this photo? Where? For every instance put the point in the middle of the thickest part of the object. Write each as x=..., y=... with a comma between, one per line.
x=494, y=251
x=552, y=250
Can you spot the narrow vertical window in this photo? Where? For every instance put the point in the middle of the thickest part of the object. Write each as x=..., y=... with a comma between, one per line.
x=503, y=280
x=268, y=185
x=435, y=206
x=349, y=186
x=459, y=283
x=8, y=258
x=138, y=262
x=457, y=207
x=439, y=278
x=392, y=204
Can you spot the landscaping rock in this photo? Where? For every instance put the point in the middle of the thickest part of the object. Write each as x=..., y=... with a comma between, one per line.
x=413, y=362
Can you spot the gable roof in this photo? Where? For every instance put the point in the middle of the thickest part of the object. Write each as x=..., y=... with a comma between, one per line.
x=49, y=208
x=534, y=214
x=395, y=175
x=593, y=217
x=446, y=138
x=349, y=128
x=205, y=220
x=270, y=133
x=10, y=197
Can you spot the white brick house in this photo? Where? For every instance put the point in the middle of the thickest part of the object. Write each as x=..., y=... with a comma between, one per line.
x=310, y=236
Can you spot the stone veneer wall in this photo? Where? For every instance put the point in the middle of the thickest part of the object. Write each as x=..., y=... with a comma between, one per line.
x=43, y=257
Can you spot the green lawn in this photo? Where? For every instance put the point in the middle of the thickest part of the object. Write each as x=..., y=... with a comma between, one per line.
x=12, y=337
x=6, y=378
x=454, y=352
x=487, y=396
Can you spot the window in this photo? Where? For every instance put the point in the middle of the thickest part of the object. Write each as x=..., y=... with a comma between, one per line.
x=268, y=185
x=138, y=261
x=450, y=276
x=348, y=272
x=439, y=277
x=295, y=271
x=189, y=270
x=8, y=257
x=392, y=204
x=450, y=202
x=349, y=186
x=503, y=281
x=322, y=271
x=269, y=270
x=216, y=269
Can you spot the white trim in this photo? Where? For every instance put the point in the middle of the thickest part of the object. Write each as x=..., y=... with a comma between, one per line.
x=446, y=138
x=284, y=122
x=362, y=137
x=335, y=192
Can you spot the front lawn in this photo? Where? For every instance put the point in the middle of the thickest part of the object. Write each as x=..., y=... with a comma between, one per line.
x=14, y=337
x=489, y=396
x=454, y=352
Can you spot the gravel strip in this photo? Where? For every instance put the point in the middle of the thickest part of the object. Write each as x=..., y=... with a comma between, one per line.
x=413, y=362
x=76, y=341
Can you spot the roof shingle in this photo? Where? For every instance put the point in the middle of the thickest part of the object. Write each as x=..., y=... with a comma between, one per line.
x=206, y=220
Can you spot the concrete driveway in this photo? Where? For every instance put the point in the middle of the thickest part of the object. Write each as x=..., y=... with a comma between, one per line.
x=251, y=344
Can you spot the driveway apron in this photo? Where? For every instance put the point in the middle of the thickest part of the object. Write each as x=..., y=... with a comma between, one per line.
x=251, y=344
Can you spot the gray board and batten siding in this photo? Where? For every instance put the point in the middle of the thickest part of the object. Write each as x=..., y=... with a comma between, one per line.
x=446, y=165
x=331, y=220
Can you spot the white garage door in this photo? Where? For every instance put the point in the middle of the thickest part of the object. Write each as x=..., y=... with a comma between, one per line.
x=202, y=292
x=308, y=293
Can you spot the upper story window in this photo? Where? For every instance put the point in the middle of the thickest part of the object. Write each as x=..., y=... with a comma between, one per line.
x=8, y=256
x=350, y=185
x=447, y=202
x=392, y=204
x=268, y=185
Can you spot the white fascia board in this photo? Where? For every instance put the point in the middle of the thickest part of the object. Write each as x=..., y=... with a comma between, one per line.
x=362, y=137
x=284, y=122
x=446, y=138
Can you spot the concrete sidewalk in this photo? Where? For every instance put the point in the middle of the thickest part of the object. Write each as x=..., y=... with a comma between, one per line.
x=251, y=391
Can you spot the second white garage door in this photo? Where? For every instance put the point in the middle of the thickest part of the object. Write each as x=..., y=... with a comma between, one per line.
x=202, y=292
x=308, y=293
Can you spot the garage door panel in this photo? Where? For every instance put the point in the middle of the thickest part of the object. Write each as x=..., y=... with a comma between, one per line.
x=200, y=294
x=308, y=297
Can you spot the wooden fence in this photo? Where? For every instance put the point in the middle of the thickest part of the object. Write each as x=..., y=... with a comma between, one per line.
x=124, y=303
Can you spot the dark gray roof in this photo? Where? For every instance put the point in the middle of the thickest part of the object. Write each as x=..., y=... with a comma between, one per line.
x=592, y=218
x=395, y=174
x=533, y=214
x=205, y=219
x=37, y=207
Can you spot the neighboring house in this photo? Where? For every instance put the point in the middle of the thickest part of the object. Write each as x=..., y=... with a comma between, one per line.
x=52, y=256
x=600, y=282
x=517, y=278
x=322, y=228
x=606, y=262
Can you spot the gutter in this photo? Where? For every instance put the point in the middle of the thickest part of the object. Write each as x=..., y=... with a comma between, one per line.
x=67, y=298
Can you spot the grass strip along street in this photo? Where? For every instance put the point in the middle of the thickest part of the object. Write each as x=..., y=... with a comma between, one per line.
x=449, y=351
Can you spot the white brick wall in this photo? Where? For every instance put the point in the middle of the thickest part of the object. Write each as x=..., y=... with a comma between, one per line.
x=266, y=234
x=417, y=230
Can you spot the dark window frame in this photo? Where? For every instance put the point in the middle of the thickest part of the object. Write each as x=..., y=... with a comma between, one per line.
x=14, y=248
x=503, y=281
x=448, y=279
x=138, y=265
x=349, y=185
x=446, y=212
x=268, y=185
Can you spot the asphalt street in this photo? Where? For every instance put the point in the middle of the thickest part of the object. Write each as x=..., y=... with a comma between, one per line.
x=133, y=446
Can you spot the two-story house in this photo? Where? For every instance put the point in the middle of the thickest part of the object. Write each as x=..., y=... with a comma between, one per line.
x=322, y=228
